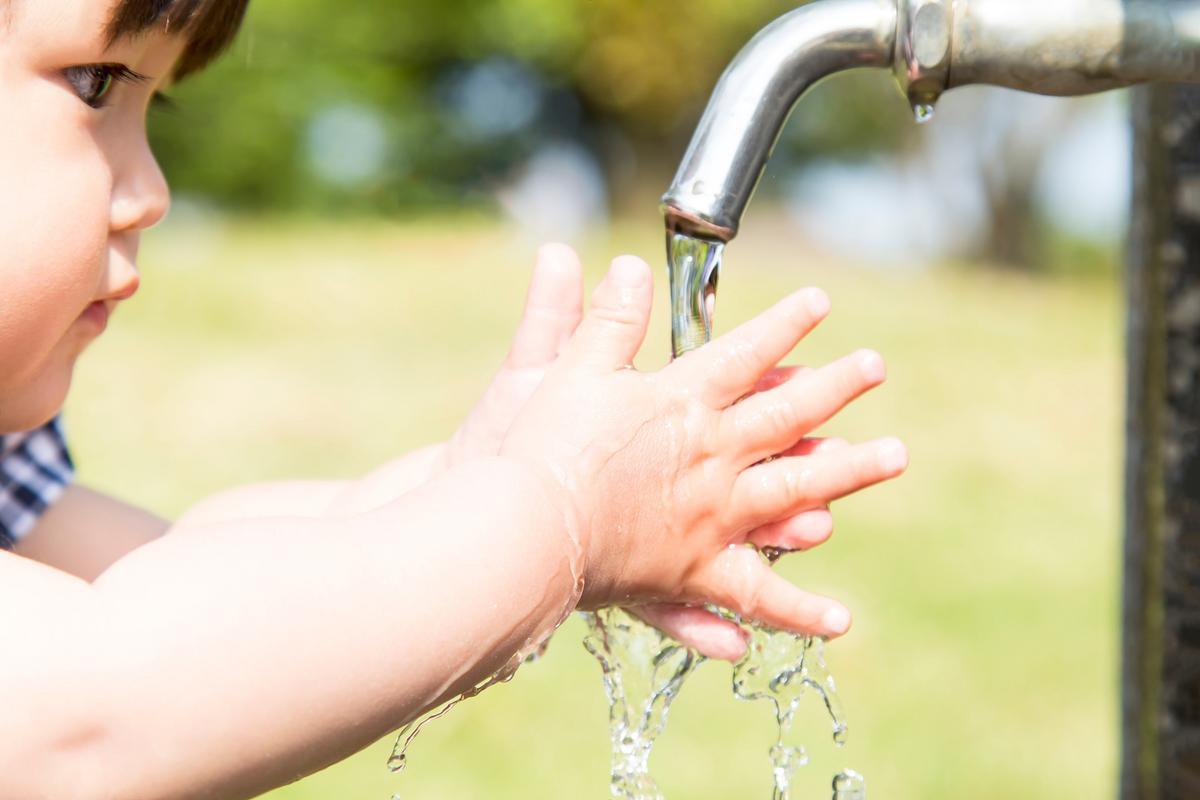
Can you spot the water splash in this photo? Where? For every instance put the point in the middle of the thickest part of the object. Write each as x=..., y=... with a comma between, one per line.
x=780, y=667
x=533, y=651
x=399, y=757
x=644, y=669
x=643, y=673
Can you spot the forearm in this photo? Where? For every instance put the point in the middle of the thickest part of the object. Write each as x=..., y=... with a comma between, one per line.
x=240, y=657
x=84, y=532
x=318, y=498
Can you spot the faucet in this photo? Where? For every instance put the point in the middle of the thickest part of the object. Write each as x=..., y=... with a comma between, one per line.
x=1052, y=47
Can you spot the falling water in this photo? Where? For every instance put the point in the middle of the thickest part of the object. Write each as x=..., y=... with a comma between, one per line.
x=535, y=647
x=644, y=670
x=780, y=667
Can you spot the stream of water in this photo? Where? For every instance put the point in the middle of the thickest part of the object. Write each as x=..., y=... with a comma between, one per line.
x=644, y=669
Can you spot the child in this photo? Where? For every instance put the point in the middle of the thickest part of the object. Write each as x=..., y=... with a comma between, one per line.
x=271, y=631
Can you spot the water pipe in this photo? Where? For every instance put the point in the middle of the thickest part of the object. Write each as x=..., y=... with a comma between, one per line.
x=1053, y=47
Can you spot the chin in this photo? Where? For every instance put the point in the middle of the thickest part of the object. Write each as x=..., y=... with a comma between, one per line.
x=28, y=407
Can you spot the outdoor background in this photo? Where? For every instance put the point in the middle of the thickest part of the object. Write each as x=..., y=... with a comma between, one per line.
x=360, y=187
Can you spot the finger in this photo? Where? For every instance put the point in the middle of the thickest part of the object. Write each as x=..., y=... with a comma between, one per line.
x=553, y=308
x=812, y=445
x=778, y=489
x=731, y=366
x=777, y=377
x=739, y=580
x=767, y=423
x=610, y=336
x=802, y=532
x=701, y=630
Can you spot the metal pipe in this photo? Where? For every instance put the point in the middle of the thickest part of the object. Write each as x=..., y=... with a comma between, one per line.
x=1057, y=47
x=754, y=98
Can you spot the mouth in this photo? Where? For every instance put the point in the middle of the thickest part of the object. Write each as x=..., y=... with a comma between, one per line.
x=96, y=315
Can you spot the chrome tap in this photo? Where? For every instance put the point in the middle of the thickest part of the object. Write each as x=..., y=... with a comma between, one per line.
x=1053, y=47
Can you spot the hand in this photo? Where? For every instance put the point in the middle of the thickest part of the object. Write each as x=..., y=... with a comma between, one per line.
x=661, y=475
x=553, y=309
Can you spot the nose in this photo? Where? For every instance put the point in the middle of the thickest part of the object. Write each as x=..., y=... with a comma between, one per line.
x=140, y=196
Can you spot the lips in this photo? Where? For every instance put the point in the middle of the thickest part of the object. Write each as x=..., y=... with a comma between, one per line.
x=96, y=314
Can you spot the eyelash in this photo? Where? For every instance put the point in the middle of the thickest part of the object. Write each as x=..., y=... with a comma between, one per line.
x=94, y=82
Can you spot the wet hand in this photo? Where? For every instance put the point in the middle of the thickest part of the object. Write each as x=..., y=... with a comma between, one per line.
x=553, y=309
x=664, y=475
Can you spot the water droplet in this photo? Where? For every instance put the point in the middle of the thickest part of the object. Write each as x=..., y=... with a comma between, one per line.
x=923, y=113
x=397, y=762
x=849, y=785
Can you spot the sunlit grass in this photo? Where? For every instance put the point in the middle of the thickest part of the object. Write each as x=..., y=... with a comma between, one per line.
x=984, y=659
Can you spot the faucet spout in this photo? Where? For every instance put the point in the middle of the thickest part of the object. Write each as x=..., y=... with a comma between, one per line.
x=754, y=98
x=1055, y=47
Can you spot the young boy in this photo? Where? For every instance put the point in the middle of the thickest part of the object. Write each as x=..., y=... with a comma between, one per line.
x=269, y=632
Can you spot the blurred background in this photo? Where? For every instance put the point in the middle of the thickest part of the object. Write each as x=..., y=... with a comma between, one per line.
x=359, y=190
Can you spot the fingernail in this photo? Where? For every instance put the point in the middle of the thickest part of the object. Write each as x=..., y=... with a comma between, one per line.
x=872, y=366
x=817, y=302
x=893, y=455
x=836, y=620
x=630, y=272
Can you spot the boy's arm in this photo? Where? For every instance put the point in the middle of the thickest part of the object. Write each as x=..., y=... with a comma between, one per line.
x=85, y=532
x=225, y=660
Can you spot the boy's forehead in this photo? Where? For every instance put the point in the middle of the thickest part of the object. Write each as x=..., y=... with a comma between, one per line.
x=206, y=27
x=98, y=15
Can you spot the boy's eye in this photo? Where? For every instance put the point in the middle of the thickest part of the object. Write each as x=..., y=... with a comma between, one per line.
x=94, y=82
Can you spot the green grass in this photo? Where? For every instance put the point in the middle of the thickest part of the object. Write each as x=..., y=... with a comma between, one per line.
x=985, y=583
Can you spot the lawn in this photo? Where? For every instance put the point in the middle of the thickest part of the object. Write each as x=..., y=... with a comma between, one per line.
x=985, y=583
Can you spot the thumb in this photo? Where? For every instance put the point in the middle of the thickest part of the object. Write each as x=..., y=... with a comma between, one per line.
x=553, y=308
x=613, y=332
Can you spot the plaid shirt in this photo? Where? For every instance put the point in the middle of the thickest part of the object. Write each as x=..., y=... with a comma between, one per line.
x=35, y=469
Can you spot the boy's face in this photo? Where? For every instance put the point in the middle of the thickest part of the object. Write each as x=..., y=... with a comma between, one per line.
x=78, y=184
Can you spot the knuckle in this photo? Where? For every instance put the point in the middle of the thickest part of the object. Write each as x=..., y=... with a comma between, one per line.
x=622, y=315
x=794, y=484
x=741, y=356
x=782, y=417
x=748, y=595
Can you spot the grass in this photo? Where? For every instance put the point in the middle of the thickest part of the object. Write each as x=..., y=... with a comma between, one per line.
x=985, y=583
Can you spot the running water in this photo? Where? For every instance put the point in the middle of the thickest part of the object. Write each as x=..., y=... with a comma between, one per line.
x=781, y=667
x=399, y=757
x=644, y=670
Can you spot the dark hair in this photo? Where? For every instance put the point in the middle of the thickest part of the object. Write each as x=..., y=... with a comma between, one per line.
x=208, y=25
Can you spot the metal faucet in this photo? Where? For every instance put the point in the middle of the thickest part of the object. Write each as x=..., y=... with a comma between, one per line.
x=1053, y=47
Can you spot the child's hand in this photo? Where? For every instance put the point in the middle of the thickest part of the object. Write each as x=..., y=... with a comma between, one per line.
x=553, y=309
x=661, y=474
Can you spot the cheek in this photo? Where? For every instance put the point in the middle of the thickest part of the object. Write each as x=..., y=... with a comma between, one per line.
x=54, y=211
